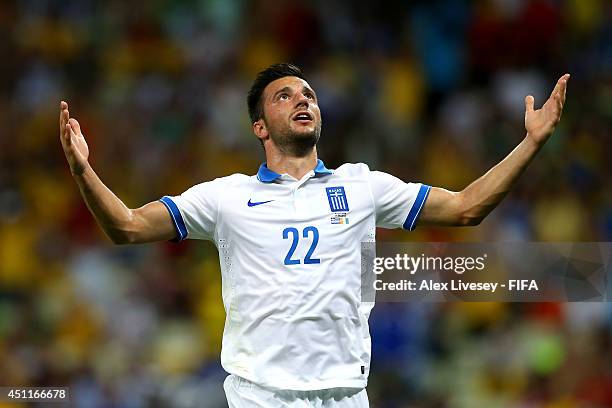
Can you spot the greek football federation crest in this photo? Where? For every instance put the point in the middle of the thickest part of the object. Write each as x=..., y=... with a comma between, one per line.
x=337, y=199
x=338, y=204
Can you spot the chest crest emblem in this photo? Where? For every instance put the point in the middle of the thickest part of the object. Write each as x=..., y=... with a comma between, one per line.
x=338, y=204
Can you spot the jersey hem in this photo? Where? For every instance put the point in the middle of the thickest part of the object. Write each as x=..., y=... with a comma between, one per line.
x=317, y=386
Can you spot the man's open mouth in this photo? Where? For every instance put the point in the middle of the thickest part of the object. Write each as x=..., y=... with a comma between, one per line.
x=303, y=116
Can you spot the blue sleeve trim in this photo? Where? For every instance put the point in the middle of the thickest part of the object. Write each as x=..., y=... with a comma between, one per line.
x=413, y=215
x=177, y=218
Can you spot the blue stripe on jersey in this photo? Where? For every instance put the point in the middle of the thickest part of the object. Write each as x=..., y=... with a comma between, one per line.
x=265, y=175
x=320, y=169
x=177, y=218
x=410, y=222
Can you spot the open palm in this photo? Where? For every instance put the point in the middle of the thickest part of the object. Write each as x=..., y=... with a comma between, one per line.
x=73, y=142
x=540, y=123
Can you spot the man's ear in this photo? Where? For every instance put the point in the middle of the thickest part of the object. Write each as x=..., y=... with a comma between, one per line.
x=260, y=130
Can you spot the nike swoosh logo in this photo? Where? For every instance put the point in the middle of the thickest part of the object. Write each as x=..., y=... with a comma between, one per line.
x=251, y=204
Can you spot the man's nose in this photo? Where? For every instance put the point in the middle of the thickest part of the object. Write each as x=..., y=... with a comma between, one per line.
x=302, y=99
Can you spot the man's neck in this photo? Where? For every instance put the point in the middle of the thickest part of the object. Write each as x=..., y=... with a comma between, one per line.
x=296, y=167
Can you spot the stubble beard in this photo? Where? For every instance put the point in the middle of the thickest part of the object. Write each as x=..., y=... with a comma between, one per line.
x=296, y=144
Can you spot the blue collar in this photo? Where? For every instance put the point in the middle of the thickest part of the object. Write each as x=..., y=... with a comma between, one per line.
x=266, y=175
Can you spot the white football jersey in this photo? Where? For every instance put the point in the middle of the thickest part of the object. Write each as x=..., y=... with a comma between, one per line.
x=291, y=267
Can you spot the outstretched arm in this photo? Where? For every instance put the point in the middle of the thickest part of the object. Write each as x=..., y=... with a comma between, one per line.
x=471, y=205
x=122, y=225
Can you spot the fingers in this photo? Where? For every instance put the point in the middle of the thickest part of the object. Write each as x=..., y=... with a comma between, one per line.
x=564, y=79
x=560, y=95
x=560, y=86
x=556, y=108
x=63, y=121
x=69, y=127
x=554, y=104
x=70, y=133
x=556, y=88
x=529, y=102
x=75, y=126
x=63, y=117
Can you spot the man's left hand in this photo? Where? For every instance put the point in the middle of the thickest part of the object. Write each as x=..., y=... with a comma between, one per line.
x=540, y=123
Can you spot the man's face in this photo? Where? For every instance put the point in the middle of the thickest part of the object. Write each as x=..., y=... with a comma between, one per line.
x=291, y=114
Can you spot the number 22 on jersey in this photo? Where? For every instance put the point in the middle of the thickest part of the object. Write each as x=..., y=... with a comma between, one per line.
x=295, y=237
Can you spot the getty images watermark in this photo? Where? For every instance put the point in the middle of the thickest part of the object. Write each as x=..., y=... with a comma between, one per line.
x=516, y=271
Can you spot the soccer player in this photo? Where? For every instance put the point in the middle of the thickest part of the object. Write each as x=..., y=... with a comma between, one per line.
x=296, y=332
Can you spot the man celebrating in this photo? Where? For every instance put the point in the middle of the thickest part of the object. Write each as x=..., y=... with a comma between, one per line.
x=296, y=332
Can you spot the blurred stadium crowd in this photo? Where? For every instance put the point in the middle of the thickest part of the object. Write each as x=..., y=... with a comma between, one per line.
x=430, y=91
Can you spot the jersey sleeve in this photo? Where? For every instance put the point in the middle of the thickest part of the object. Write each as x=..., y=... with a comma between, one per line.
x=194, y=213
x=397, y=204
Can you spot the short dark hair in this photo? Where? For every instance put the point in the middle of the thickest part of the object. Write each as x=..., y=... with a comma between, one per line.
x=272, y=73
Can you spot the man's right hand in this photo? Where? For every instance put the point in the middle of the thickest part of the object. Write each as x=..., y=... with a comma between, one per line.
x=149, y=223
x=73, y=141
